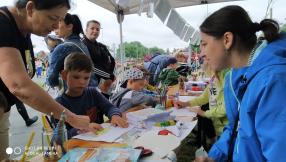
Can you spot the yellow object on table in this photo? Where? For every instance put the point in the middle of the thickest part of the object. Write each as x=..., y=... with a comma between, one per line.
x=28, y=146
x=87, y=155
x=46, y=129
x=165, y=123
x=172, y=90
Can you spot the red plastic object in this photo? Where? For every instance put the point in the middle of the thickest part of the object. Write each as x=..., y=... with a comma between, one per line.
x=196, y=88
x=164, y=132
x=144, y=152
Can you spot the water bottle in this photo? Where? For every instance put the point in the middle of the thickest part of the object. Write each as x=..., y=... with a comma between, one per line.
x=176, y=99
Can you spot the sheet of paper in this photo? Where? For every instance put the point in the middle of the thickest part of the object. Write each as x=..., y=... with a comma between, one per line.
x=175, y=130
x=183, y=112
x=180, y=132
x=109, y=134
x=147, y=113
x=160, y=145
x=189, y=126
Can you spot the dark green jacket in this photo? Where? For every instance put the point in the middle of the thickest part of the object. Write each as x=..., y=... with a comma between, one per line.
x=169, y=77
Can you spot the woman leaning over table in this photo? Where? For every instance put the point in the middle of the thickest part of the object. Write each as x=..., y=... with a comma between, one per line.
x=17, y=65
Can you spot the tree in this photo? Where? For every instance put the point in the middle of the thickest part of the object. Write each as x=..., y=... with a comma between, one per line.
x=154, y=50
x=283, y=28
x=195, y=48
x=136, y=50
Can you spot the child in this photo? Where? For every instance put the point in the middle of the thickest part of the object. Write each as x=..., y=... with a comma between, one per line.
x=180, y=57
x=52, y=41
x=39, y=67
x=132, y=96
x=84, y=100
x=148, y=89
x=214, y=95
x=169, y=76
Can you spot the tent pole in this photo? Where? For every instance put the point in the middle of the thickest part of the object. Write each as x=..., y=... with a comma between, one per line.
x=121, y=45
x=120, y=17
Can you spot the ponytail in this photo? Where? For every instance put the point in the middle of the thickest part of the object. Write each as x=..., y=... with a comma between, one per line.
x=236, y=20
x=270, y=28
x=75, y=21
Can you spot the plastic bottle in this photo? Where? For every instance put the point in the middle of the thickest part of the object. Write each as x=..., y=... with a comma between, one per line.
x=176, y=99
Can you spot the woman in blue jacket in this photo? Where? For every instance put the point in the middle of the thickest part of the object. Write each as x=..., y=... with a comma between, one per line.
x=69, y=29
x=255, y=90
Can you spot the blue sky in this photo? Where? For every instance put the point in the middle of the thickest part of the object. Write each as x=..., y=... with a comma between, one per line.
x=151, y=31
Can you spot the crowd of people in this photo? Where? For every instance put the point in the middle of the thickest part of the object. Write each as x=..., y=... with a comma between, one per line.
x=243, y=101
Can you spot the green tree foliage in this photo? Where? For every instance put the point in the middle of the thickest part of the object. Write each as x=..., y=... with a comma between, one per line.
x=137, y=50
x=156, y=50
x=283, y=28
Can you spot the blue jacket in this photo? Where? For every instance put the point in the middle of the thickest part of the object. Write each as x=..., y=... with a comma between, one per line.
x=58, y=56
x=260, y=92
x=155, y=66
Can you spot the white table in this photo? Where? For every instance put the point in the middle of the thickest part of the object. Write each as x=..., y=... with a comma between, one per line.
x=164, y=147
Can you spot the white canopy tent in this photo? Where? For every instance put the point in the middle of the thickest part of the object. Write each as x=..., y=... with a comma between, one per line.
x=162, y=8
x=133, y=6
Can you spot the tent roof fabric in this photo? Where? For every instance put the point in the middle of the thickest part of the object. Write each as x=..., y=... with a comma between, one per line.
x=133, y=6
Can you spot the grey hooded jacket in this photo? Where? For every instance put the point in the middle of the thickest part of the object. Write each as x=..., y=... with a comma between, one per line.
x=126, y=99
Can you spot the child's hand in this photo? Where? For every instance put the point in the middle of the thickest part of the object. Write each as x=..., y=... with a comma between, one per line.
x=81, y=131
x=94, y=127
x=181, y=104
x=119, y=121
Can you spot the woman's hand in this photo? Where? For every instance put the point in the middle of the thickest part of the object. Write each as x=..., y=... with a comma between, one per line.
x=181, y=104
x=198, y=111
x=78, y=121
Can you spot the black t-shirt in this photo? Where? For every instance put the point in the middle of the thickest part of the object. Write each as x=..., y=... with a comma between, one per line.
x=10, y=36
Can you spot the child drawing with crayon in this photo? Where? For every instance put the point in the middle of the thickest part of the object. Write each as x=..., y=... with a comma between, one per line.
x=84, y=100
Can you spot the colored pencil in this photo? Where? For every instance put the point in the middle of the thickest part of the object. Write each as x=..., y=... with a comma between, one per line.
x=28, y=146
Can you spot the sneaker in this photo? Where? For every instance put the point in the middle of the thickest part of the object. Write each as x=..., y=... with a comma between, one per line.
x=31, y=121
